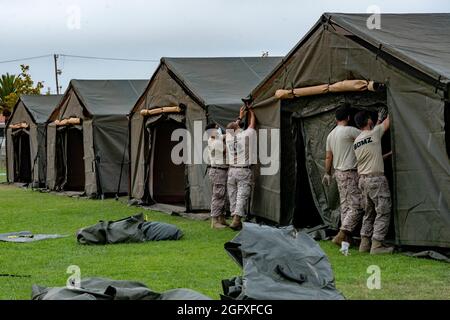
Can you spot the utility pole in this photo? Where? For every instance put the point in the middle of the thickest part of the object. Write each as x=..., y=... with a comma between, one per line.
x=57, y=72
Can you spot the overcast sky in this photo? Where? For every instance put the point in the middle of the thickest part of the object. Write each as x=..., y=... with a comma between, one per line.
x=150, y=29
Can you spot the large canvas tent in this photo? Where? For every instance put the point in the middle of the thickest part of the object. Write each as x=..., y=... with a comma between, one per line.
x=410, y=55
x=26, y=138
x=87, y=137
x=181, y=92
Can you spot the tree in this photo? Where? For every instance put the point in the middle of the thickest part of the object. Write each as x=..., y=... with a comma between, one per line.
x=11, y=87
x=7, y=86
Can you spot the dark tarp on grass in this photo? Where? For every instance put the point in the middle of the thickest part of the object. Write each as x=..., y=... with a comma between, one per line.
x=279, y=264
x=130, y=229
x=107, y=289
x=102, y=106
x=209, y=90
x=34, y=110
x=410, y=54
x=27, y=236
x=429, y=254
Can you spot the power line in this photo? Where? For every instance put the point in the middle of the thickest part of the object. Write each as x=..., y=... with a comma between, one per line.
x=81, y=57
x=28, y=58
x=109, y=58
x=58, y=71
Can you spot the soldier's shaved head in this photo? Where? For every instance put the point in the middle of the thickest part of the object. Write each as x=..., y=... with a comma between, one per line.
x=233, y=125
x=343, y=112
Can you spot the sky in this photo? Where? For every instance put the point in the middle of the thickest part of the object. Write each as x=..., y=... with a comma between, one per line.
x=150, y=29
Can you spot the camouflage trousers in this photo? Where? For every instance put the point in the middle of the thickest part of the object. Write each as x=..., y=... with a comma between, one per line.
x=239, y=189
x=218, y=178
x=377, y=205
x=350, y=199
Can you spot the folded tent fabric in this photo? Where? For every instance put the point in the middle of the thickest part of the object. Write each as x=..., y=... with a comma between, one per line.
x=156, y=231
x=107, y=289
x=130, y=229
x=280, y=264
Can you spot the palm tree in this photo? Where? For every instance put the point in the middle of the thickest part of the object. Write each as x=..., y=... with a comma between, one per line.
x=7, y=86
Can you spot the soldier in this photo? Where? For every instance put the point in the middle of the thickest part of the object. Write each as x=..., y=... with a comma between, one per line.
x=241, y=145
x=373, y=183
x=218, y=175
x=341, y=156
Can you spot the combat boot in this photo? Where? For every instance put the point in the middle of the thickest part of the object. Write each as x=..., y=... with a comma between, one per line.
x=216, y=224
x=236, y=224
x=379, y=248
x=342, y=236
x=223, y=220
x=365, y=244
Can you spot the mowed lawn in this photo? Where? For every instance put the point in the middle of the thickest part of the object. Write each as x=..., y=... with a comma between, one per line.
x=198, y=261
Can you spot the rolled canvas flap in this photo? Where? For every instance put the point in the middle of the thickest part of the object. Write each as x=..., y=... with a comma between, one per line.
x=156, y=111
x=341, y=86
x=349, y=85
x=65, y=122
x=20, y=125
x=301, y=92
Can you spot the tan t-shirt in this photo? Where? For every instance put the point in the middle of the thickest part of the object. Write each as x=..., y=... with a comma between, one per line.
x=340, y=143
x=216, y=152
x=242, y=147
x=369, y=154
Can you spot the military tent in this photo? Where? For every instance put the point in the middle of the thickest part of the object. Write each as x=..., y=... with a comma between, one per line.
x=87, y=137
x=410, y=55
x=26, y=138
x=185, y=93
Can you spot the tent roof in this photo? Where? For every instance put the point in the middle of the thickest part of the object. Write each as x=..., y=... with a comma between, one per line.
x=421, y=41
x=221, y=81
x=108, y=97
x=40, y=106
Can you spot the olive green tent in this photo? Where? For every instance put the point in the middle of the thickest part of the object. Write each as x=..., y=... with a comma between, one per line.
x=87, y=137
x=182, y=93
x=26, y=138
x=410, y=55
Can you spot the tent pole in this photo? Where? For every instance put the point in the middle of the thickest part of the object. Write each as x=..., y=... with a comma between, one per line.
x=121, y=164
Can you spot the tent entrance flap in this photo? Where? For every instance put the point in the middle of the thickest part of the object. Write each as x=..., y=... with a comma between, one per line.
x=306, y=214
x=69, y=159
x=307, y=122
x=75, y=160
x=167, y=179
x=22, y=156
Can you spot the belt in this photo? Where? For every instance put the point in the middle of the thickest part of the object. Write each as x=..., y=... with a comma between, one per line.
x=346, y=170
x=220, y=168
x=241, y=167
x=377, y=174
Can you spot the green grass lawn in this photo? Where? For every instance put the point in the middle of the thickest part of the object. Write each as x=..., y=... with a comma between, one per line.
x=198, y=261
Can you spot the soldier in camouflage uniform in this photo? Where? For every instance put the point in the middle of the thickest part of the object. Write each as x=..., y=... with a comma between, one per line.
x=218, y=175
x=241, y=148
x=373, y=184
x=351, y=199
x=378, y=206
x=341, y=156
